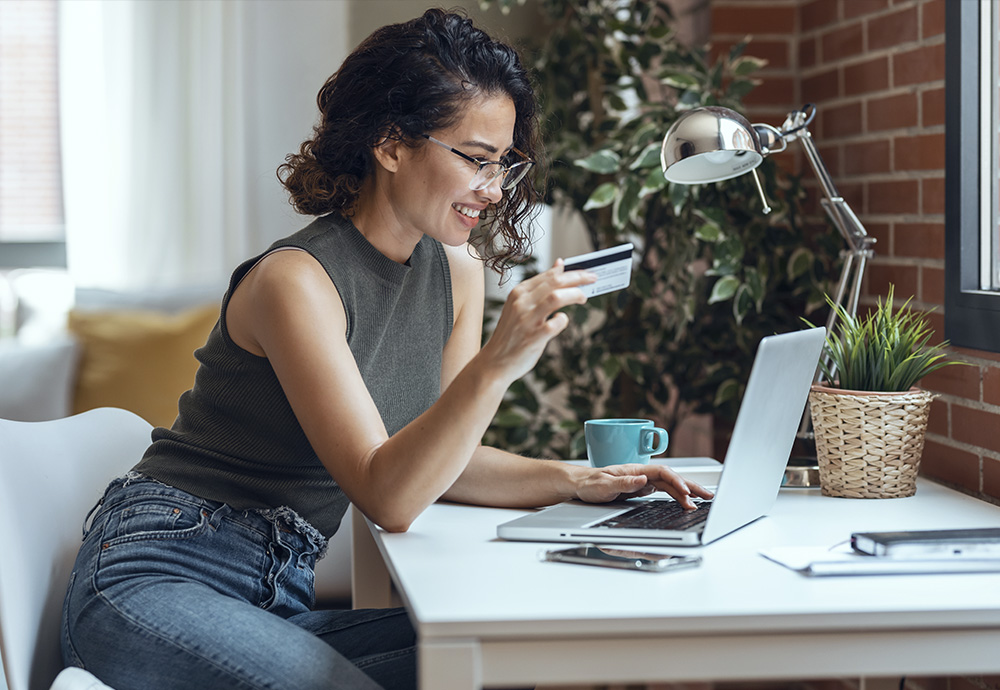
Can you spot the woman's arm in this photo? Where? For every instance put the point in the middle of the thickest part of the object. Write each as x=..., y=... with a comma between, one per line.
x=498, y=478
x=288, y=310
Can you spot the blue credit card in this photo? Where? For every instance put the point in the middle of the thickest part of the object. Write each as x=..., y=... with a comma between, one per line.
x=613, y=267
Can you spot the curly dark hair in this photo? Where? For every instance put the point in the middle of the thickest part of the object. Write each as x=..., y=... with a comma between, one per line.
x=403, y=81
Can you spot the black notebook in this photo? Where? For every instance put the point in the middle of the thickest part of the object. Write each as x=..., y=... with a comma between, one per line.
x=945, y=543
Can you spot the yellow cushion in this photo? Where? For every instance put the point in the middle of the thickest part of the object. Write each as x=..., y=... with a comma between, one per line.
x=138, y=360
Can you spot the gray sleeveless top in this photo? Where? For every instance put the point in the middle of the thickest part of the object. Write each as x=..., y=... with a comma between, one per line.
x=236, y=439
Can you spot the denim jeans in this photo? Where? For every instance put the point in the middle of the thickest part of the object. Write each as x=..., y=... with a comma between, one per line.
x=173, y=591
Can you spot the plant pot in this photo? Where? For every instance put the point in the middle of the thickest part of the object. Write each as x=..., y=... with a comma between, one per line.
x=868, y=444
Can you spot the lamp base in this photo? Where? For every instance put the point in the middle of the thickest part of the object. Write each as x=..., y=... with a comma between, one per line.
x=801, y=472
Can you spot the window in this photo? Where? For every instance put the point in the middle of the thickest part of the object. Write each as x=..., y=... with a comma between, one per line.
x=31, y=207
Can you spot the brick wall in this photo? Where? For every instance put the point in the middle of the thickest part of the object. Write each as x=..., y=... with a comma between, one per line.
x=875, y=71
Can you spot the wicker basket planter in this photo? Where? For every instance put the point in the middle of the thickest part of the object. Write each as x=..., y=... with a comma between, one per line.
x=868, y=443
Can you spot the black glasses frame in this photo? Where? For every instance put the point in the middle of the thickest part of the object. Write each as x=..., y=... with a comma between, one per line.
x=520, y=168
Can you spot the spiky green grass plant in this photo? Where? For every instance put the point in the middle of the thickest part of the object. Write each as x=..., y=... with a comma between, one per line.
x=884, y=350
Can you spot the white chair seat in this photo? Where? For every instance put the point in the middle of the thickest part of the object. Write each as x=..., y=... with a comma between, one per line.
x=51, y=474
x=77, y=679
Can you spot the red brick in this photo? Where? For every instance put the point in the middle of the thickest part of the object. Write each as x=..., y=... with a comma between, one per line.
x=932, y=107
x=991, y=478
x=959, y=380
x=937, y=422
x=831, y=159
x=842, y=42
x=981, y=354
x=932, y=14
x=932, y=285
x=922, y=240
x=991, y=385
x=893, y=196
x=976, y=427
x=817, y=14
x=892, y=29
x=772, y=115
x=867, y=77
x=807, y=52
x=841, y=121
x=919, y=153
x=919, y=66
x=777, y=53
x=866, y=157
x=752, y=18
x=858, y=8
x=853, y=193
x=772, y=90
x=950, y=465
x=821, y=87
x=892, y=112
x=883, y=237
x=932, y=195
x=936, y=320
x=904, y=278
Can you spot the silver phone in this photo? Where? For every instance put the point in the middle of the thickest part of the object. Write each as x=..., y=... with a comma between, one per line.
x=626, y=559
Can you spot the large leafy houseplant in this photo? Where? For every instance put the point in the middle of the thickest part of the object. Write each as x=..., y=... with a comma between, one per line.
x=712, y=274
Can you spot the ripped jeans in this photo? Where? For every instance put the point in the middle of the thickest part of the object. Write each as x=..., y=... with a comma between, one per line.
x=173, y=591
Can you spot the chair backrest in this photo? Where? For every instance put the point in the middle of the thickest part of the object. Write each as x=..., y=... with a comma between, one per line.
x=51, y=474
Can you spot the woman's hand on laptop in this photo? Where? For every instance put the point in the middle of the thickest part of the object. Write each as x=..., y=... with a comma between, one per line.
x=617, y=482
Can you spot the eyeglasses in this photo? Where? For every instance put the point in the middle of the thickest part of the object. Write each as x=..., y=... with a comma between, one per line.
x=510, y=170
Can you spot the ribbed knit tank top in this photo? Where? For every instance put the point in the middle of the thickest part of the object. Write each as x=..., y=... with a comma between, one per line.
x=236, y=438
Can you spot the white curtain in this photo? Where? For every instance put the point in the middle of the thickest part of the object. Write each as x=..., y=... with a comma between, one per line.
x=175, y=115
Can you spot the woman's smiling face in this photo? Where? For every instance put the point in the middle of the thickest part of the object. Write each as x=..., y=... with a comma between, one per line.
x=429, y=190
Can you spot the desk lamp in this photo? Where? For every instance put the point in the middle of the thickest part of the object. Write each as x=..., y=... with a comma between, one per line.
x=712, y=144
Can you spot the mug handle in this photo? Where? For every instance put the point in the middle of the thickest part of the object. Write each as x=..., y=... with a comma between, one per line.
x=646, y=444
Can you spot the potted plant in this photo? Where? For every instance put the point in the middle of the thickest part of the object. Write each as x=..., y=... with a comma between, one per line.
x=868, y=416
x=712, y=274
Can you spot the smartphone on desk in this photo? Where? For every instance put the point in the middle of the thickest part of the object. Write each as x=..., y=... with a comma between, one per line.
x=625, y=559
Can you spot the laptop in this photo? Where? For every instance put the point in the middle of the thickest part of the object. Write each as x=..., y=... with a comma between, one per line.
x=766, y=425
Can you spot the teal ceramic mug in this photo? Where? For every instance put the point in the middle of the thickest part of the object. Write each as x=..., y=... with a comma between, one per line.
x=623, y=441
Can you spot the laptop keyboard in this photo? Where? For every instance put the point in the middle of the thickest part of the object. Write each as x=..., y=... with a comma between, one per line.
x=666, y=515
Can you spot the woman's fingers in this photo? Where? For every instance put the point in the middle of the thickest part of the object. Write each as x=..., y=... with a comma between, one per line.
x=532, y=317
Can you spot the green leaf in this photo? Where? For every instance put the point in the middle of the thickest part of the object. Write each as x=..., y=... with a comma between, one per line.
x=678, y=197
x=602, y=196
x=507, y=420
x=739, y=88
x=649, y=157
x=654, y=182
x=626, y=204
x=756, y=290
x=727, y=390
x=659, y=31
x=603, y=162
x=747, y=65
x=611, y=367
x=678, y=80
x=723, y=289
x=799, y=263
x=742, y=303
x=728, y=255
x=708, y=232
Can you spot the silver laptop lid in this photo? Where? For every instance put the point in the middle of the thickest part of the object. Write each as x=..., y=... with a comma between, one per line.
x=768, y=419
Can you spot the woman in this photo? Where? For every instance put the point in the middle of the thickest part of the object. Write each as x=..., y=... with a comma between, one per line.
x=345, y=368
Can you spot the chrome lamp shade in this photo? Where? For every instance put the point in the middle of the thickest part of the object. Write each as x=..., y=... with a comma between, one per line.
x=709, y=145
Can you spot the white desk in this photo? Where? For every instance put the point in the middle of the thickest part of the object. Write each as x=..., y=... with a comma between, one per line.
x=489, y=613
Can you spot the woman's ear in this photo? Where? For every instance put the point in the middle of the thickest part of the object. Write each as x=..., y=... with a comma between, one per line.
x=387, y=152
